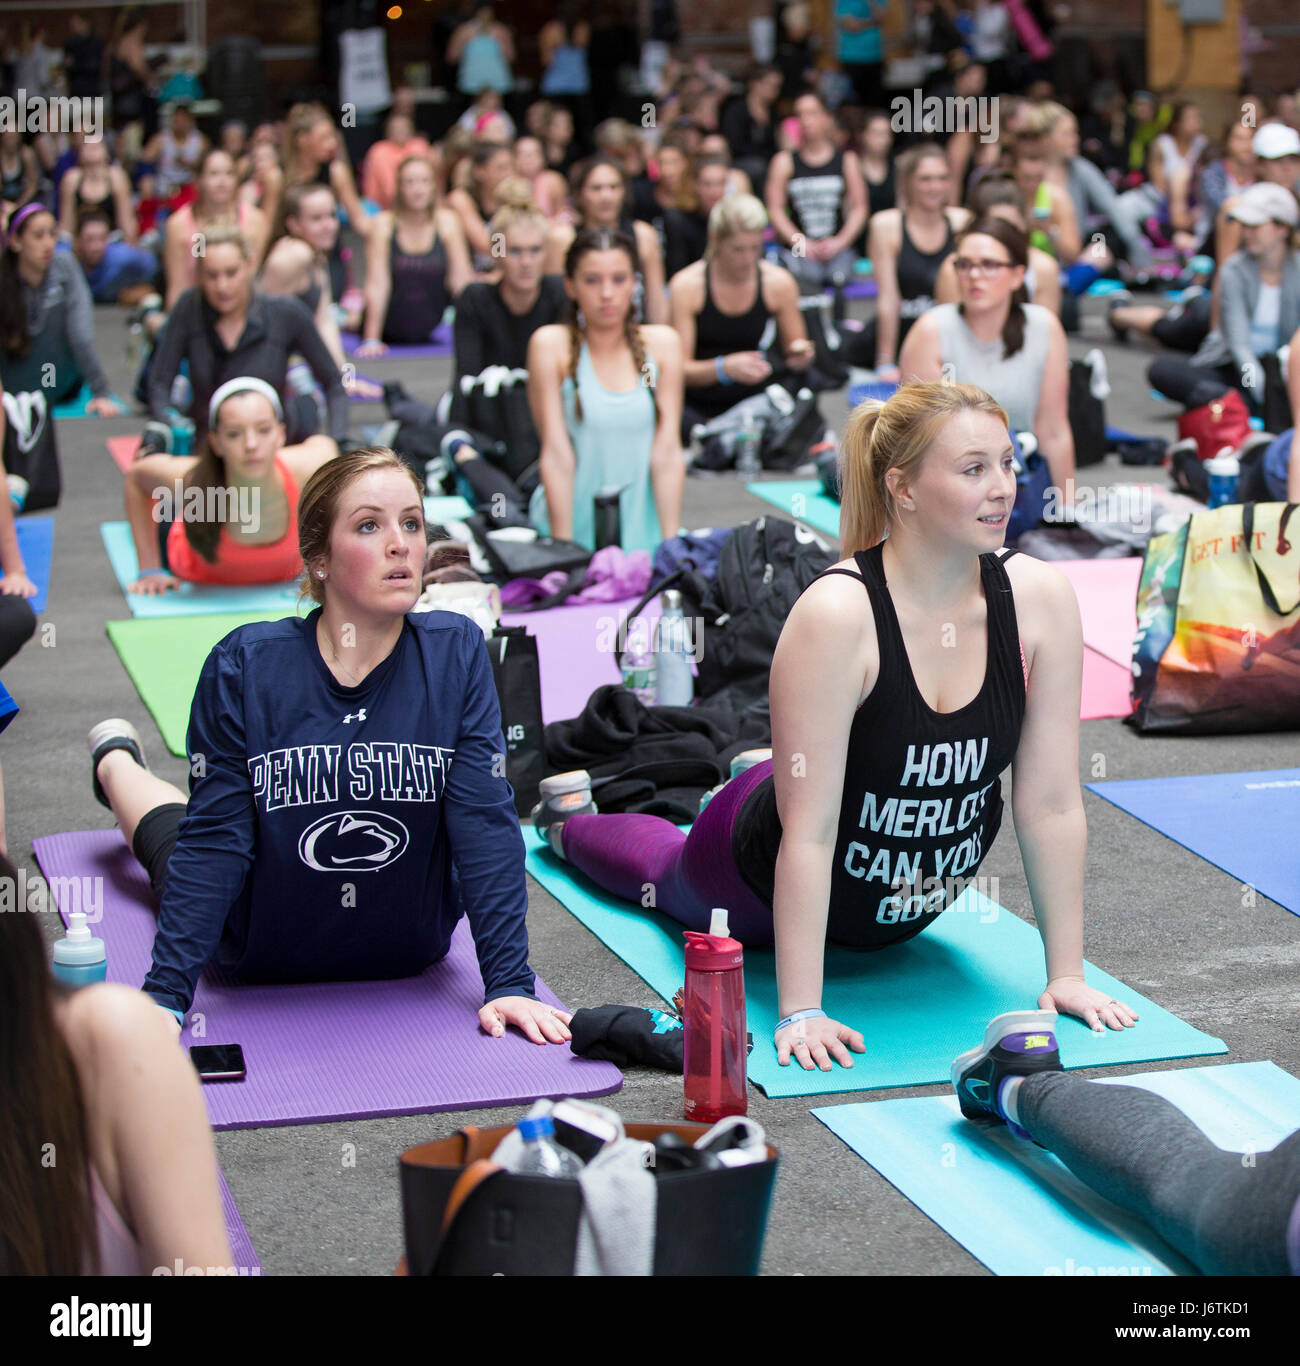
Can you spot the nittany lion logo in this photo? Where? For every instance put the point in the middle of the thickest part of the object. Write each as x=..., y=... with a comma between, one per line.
x=26, y=413
x=352, y=842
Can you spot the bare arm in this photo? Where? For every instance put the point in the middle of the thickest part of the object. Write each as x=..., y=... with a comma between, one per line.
x=459, y=267
x=256, y=233
x=379, y=278
x=68, y=203
x=683, y=308
x=556, y=463
x=921, y=356
x=778, y=177
x=667, y=465
x=346, y=190
x=558, y=241
x=126, y=219
x=825, y=656
x=882, y=247
x=1047, y=281
x=178, y=252
x=855, y=215
x=945, y=283
x=652, y=272
x=1065, y=227
x=782, y=292
x=143, y=479
x=471, y=221
x=1052, y=417
x=308, y=456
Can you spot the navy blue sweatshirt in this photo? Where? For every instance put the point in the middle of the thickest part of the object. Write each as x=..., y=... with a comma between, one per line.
x=340, y=832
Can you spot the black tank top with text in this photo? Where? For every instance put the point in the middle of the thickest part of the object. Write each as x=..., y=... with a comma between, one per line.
x=922, y=796
x=816, y=195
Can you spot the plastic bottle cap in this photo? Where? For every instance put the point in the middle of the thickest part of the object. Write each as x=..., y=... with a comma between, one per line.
x=78, y=947
x=78, y=930
x=672, y=600
x=540, y=1127
x=1225, y=464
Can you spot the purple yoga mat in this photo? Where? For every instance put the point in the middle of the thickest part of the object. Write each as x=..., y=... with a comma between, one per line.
x=333, y=1050
x=439, y=344
x=860, y=289
x=574, y=650
x=241, y=1245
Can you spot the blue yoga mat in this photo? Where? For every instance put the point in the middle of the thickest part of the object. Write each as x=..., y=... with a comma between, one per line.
x=918, y=1004
x=859, y=393
x=76, y=405
x=803, y=499
x=36, y=545
x=1019, y=1209
x=1244, y=823
x=194, y=599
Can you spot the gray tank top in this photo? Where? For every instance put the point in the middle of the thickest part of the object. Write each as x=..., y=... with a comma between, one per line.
x=1015, y=382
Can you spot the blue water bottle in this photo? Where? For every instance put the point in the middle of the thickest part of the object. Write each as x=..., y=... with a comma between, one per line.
x=1224, y=470
x=79, y=958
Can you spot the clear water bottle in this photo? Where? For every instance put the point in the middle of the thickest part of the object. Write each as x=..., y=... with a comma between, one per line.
x=542, y=1155
x=639, y=663
x=674, y=682
x=748, y=458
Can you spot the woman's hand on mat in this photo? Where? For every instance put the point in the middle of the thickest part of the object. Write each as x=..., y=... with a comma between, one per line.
x=813, y=1043
x=104, y=407
x=534, y=1019
x=1073, y=996
x=154, y=584
x=18, y=585
x=372, y=346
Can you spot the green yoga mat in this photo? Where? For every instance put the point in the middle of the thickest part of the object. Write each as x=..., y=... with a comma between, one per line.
x=918, y=1005
x=803, y=499
x=164, y=657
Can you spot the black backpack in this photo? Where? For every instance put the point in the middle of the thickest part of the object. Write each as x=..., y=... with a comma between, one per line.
x=764, y=566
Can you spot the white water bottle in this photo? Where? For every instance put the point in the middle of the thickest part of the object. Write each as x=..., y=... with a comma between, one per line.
x=674, y=682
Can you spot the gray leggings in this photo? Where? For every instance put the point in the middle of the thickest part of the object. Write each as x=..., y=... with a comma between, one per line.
x=1138, y=1150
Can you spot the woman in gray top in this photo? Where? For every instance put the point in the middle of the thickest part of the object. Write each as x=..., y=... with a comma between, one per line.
x=47, y=317
x=1014, y=350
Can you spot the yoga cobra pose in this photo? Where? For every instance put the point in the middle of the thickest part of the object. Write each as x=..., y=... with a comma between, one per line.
x=327, y=749
x=894, y=711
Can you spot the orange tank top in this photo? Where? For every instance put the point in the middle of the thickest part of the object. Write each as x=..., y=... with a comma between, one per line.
x=238, y=562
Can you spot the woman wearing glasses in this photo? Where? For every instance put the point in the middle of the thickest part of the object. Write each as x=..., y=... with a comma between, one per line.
x=994, y=339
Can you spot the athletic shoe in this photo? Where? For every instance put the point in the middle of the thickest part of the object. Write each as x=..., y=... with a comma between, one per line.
x=1016, y=1044
x=109, y=735
x=453, y=441
x=563, y=795
x=1120, y=299
x=157, y=440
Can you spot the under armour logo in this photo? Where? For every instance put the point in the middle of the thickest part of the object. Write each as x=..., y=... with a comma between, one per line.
x=359, y=716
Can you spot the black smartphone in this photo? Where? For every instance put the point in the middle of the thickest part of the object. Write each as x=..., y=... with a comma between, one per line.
x=219, y=1062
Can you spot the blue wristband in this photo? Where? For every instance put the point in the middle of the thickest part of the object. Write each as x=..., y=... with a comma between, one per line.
x=177, y=1015
x=719, y=367
x=147, y=573
x=797, y=1016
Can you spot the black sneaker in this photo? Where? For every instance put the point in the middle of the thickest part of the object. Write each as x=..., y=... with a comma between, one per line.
x=1120, y=299
x=157, y=440
x=109, y=735
x=1016, y=1044
x=562, y=795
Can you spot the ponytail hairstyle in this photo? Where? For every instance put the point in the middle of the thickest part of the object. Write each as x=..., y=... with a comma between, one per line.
x=895, y=435
x=1017, y=245
x=516, y=208
x=318, y=506
x=736, y=213
x=603, y=239
x=47, y=1218
x=15, y=340
x=300, y=119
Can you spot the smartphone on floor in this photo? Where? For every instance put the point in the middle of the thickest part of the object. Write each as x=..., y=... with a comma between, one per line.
x=219, y=1062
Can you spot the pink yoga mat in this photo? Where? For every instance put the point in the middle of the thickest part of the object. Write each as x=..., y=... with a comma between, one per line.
x=1106, y=687
x=123, y=449
x=574, y=650
x=1107, y=593
x=333, y=1050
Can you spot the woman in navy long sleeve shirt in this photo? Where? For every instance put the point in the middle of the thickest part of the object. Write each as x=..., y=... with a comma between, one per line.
x=348, y=801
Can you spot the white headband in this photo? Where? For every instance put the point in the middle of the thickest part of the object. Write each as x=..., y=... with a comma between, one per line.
x=244, y=384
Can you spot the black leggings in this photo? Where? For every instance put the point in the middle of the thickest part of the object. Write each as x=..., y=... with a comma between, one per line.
x=1226, y=1213
x=17, y=626
x=1184, y=328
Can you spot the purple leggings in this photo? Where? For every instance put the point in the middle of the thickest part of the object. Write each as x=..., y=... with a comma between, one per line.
x=687, y=874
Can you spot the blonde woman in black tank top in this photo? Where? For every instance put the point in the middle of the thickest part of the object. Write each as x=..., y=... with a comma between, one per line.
x=928, y=654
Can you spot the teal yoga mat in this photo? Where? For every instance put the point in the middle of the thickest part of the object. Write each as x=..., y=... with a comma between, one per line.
x=191, y=599
x=76, y=405
x=198, y=599
x=919, y=1004
x=803, y=499
x=1019, y=1209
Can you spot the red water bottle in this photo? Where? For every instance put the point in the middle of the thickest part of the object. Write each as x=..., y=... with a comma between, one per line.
x=714, y=1021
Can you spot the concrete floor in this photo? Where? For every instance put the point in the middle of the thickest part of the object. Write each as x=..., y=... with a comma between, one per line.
x=1158, y=917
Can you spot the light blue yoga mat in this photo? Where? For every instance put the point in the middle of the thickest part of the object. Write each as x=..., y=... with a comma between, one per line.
x=193, y=599
x=918, y=1004
x=1244, y=823
x=1019, y=1209
x=190, y=599
x=36, y=546
x=803, y=499
x=76, y=405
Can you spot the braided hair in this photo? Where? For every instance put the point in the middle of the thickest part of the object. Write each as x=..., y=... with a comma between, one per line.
x=604, y=239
